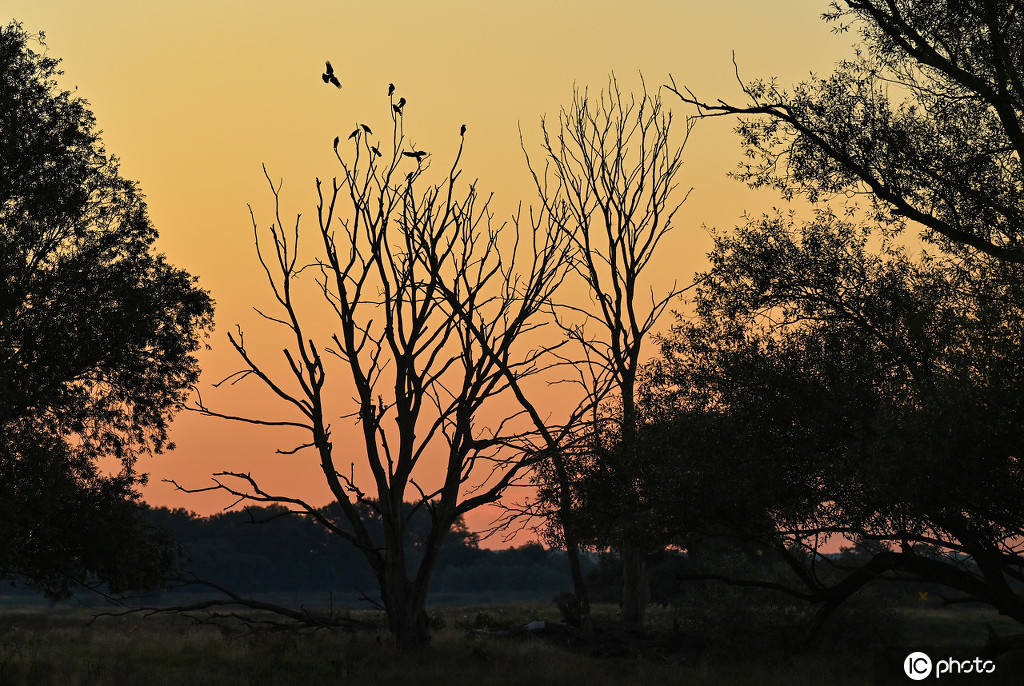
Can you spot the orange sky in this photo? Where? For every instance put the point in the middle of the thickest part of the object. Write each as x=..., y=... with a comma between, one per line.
x=194, y=95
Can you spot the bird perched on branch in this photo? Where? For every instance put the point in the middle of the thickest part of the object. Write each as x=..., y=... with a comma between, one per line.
x=329, y=77
x=462, y=131
x=336, y=141
x=366, y=128
x=391, y=89
x=353, y=134
x=418, y=154
x=399, y=106
x=374, y=150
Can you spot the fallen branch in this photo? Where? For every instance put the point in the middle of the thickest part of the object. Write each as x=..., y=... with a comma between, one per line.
x=300, y=618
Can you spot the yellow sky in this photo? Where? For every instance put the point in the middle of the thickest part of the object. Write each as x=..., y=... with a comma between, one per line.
x=194, y=95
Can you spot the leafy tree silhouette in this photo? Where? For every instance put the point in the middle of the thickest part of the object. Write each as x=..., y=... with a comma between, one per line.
x=98, y=339
x=856, y=393
x=927, y=121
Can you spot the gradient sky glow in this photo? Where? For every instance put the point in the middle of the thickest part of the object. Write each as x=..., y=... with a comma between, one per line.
x=194, y=95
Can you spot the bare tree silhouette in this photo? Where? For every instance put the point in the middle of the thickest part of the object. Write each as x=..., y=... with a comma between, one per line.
x=389, y=269
x=610, y=178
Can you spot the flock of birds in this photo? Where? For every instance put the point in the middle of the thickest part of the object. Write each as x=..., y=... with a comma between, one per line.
x=331, y=79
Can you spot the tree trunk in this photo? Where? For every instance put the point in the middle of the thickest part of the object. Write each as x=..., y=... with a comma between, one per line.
x=579, y=586
x=636, y=586
x=572, y=545
x=636, y=582
x=405, y=605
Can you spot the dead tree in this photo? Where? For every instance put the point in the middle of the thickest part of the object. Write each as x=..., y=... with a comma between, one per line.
x=556, y=440
x=385, y=269
x=609, y=176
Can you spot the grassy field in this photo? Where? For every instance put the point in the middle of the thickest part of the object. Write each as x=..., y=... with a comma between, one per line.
x=60, y=646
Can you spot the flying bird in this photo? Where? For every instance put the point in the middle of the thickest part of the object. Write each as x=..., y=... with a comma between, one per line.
x=366, y=128
x=353, y=134
x=329, y=77
x=418, y=154
x=391, y=89
x=462, y=131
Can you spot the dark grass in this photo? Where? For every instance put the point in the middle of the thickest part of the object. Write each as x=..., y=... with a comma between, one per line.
x=60, y=646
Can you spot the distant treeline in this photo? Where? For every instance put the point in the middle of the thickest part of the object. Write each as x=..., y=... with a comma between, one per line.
x=266, y=550
x=261, y=550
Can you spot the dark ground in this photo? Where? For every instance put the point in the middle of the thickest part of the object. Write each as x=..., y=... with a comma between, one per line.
x=58, y=645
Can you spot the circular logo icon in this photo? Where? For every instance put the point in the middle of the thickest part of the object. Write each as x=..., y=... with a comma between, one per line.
x=917, y=666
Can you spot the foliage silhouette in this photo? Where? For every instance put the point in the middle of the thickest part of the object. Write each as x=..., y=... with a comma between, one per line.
x=98, y=339
x=927, y=121
x=853, y=392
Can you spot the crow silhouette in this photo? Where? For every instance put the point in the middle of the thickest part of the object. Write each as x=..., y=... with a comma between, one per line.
x=418, y=154
x=366, y=128
x=391, y=89
x=329, y=77
x=408, y=177
x=374, y=150
x=353, y=134
x=399, y=106
x=336, y=141
x=462, y=131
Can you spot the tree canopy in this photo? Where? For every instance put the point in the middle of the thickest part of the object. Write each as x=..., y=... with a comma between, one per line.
x=859, y=390
x=98, y=333
x=857, y=394
x=926, y=121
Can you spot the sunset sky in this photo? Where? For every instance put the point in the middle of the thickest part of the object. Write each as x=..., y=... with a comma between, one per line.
x=195, y=95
